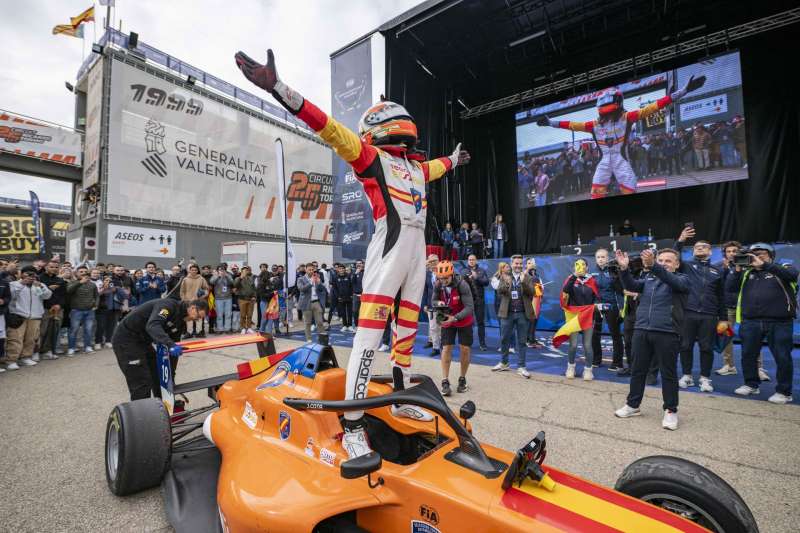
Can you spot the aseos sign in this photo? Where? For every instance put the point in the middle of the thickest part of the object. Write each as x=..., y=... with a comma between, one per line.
x=140, y=242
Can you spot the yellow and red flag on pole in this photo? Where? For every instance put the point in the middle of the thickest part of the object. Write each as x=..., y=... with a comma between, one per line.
x=68, y=29
x=86, y=16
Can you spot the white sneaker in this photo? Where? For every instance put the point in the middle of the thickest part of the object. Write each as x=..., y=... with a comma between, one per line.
x=763, y=376
x=588, y=375
x=71, y=352
x=779, y=398
x=570, y=371
x=512, y=350
x=2, y=369
x=313, y=327
x=383, y=348
x=626, y=411
x=108, y=345
x=354, y=330
x=88, y=350
x=244, y=330
x=12, y=366
x=726, y=370
x=670, y=420
x=523, y=372
x=35, y=357
x=290, y=324
x=49, y=356
x=250, y=330
x=27, y=361
x=746, y=390
x=686, y=381
x=355, y=443
x=98, y=346
x=411, y=411
x=500, y=367
x=705, y=385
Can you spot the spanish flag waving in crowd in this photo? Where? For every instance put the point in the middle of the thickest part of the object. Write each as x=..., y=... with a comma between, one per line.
x=272, y=312
x=578, y=317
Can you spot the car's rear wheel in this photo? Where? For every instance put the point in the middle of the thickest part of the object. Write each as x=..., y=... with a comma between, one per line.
x=689, y=490
x=138, y=446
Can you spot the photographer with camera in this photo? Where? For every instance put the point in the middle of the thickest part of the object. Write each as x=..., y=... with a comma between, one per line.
x=659, y=322
x=610, y=289
x=453, y=306
x=516, y=291
x=731, y=251
x=705, y=312
x=767, y=305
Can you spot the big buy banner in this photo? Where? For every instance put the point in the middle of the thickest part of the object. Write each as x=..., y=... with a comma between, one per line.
x=177, y=156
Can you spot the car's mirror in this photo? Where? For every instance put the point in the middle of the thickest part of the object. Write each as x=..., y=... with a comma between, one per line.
x=361, y=466
x=467, y=410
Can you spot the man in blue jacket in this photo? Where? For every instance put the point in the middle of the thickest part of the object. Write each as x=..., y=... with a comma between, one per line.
x=659, y=321
x=705, y=311
x=610, y=289
x=767, y=306
x=150, y=286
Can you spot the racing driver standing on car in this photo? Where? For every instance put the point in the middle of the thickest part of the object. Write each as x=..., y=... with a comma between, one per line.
x=394, y=179
x=159, y=321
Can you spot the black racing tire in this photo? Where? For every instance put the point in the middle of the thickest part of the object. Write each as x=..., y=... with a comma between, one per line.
x=138, y=446
x=687, y=489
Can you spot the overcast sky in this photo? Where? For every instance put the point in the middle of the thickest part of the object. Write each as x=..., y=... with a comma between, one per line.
x=204, y=33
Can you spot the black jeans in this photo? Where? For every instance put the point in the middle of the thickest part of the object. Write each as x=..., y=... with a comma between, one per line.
x=106, y=321
x=137, y=360
x=779, y=340
x=664, y=347
x=703, y=329
x=612, y=319
x=480, y=321
x=345, y=311
x=627, y=332
x=356, y=308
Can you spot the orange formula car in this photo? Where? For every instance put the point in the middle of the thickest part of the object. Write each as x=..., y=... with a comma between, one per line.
x=270, y=459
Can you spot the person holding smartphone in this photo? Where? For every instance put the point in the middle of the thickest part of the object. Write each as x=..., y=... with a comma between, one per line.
x=24, y=318
x=222, y=284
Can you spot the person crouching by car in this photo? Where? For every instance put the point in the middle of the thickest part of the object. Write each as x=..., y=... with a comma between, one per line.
x=659, y=322
x=580, y=289
x=516, y=291
x=24, y=318
x=767, y=306
x=454, y=310
x=161, y=321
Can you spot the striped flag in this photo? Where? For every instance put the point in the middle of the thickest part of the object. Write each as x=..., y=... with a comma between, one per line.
x=256, y=366
x=86, y=16
x=578, y=318
x=67, y=29
x=272, y=312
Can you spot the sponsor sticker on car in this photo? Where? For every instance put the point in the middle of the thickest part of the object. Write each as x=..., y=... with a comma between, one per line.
x=284, y=425
x=310, y=447
x=249, y=416
x=328, y=457
x=418, y=526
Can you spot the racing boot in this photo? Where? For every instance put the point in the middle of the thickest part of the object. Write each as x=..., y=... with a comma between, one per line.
x=355, y=440
x=401, y=378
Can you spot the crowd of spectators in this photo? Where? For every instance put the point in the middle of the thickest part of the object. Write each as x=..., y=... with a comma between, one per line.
x=553, y=177
x=471, y=239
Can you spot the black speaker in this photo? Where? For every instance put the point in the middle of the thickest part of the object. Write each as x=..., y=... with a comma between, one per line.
x=133, y=40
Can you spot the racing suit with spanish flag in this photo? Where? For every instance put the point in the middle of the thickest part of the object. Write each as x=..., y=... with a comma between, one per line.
x=395, y=263
x=611, y=136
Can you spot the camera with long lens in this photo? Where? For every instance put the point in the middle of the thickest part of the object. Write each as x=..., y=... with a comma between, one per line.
x=441, y=310
x=613, y=266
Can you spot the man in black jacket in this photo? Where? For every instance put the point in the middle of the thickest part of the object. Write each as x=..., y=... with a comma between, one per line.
x=610, y=290
x=767, y=306
x=53, y=311
x=705, y=311
x=659, y=321
x=160, y=321
x=479, y=280
x=342, y=294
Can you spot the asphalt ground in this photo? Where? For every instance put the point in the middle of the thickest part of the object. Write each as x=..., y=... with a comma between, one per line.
x=53, y=417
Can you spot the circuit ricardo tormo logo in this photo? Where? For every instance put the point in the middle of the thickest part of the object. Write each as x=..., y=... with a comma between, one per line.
x=154, y=134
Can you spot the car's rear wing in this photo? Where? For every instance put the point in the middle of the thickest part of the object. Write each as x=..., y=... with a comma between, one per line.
x=266, y=358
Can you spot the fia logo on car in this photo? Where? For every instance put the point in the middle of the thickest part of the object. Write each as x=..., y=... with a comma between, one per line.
x=284, y=425
x=429, y=514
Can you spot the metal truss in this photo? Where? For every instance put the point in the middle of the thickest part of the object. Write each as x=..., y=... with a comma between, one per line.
x=723, y=37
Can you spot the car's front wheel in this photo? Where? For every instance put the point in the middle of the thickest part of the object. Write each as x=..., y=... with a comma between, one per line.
x=689, y=490
x=138, y=446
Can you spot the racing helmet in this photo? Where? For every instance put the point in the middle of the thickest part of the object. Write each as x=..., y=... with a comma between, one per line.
x=387, y=123
x=763, y=246
x=444, y=269
x=609, y=102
